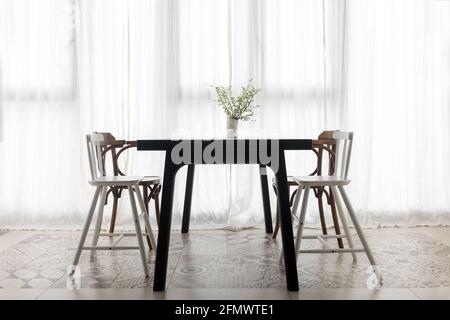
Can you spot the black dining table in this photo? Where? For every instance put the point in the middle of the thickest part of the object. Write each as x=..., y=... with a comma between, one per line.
x=267, y=153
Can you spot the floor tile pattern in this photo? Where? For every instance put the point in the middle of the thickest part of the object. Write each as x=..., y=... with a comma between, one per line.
x=227, y=259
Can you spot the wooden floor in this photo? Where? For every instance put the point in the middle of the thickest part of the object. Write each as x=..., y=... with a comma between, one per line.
x=227, y=265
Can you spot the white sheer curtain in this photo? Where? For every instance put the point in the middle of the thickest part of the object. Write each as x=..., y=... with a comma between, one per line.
x=398, y=101
x=39, y=150
x=142, y=69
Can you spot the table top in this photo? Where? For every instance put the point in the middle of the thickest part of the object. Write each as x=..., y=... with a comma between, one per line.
x=167, y=144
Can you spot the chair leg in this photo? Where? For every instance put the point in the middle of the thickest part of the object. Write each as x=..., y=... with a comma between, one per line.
x=98, y=224
x=301, y=222
x=148, y=227
x=277, y=224
x=157, y=207
x=296, y=200
x=321, y=213
x=277, y=215
x=85, y=230
x=341, y=213
x=137, y=226
x=337, y=229
x=357, y=226
x=145, y=195
x=146, y=200
x=114, y=213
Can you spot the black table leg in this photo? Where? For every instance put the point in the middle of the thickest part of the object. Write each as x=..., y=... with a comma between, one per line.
x=287, y=237
x=162, y=251
x=188, y=199
x=265, y=198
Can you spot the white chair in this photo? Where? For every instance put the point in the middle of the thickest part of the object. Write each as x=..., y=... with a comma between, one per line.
x=99, y=179
x=336, y=182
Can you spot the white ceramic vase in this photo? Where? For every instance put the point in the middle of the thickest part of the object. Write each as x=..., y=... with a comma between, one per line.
x=232, y=126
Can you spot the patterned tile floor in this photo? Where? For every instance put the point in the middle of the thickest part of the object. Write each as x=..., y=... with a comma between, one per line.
x=247, y=259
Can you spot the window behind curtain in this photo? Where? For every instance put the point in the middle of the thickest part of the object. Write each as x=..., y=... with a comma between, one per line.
x=278, y=44
x=293, y=47
x=37, y=52
x=203, y=50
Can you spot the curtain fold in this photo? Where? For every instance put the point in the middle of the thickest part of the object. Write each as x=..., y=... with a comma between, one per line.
x=143, y=69
x=398, y=105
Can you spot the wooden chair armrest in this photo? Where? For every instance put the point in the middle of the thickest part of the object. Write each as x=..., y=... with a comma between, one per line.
x=112, y=143
x=132, y=143
x=321, y=142
x=327, y=135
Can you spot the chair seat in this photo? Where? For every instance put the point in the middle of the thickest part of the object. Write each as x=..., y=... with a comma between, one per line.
x=116, y=181
x=291, y=181
x=320, y=181
x=150, y=180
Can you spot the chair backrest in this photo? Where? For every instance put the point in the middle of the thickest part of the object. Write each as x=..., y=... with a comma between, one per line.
x=95, y=143
x=324, y=147
x=344, y=141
